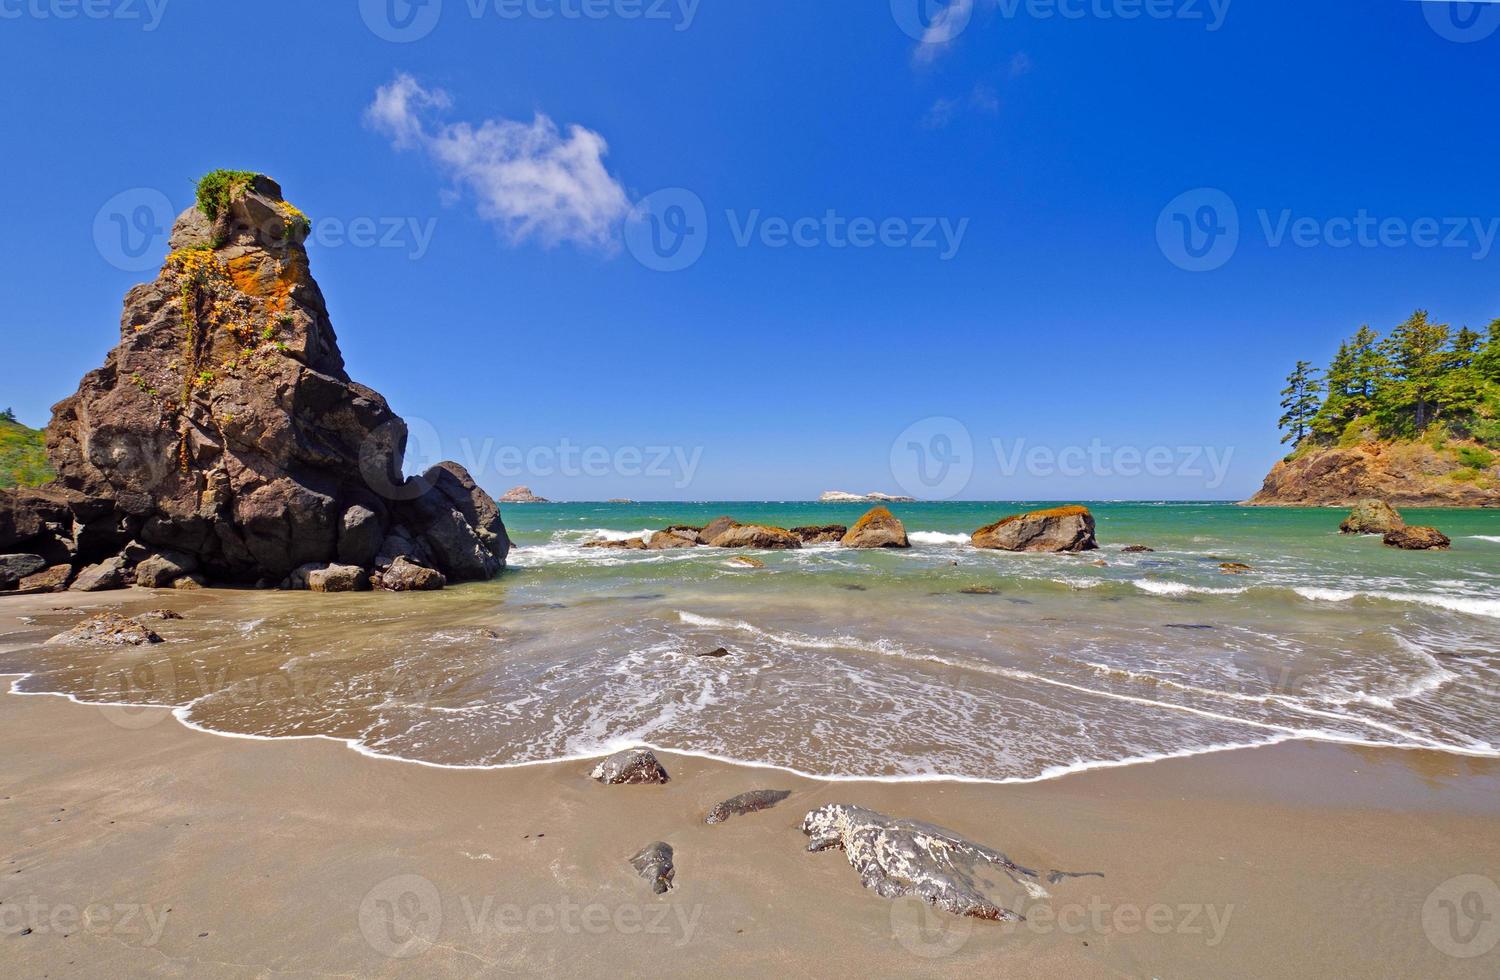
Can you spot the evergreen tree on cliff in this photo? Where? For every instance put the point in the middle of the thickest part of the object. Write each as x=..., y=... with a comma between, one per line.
x=1299, y=403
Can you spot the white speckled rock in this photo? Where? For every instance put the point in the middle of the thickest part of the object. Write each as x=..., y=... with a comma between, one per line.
x=897, y=858
x=633, y=766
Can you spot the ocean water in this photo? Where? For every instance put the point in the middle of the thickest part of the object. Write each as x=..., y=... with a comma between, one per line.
x=942, y=662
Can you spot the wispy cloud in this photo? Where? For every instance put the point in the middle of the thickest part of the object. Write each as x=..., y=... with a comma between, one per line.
x=531, y=180
x=982, y=99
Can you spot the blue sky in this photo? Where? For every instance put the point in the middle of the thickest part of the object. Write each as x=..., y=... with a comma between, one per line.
x=512, y=314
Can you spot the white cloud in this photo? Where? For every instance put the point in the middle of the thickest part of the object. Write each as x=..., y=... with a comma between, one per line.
x=530, y=179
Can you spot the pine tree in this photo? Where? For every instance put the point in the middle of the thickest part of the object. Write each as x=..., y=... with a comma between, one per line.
x=1299, y=402
x=1416, y=350
x=1370, y=369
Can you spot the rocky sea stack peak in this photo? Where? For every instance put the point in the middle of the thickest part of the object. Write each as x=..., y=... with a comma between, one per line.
x=224, y=431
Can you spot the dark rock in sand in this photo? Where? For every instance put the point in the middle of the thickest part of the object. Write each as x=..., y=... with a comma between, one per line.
x=338, y=578
x=896, y=858
x=1418, y=539
x=1059, y=530
x=1189, y=626
x=631, y=767
x=758, y=537
x=405, y=575
x=717, y=654
x=193, y=581
x=106, y=629
x=13, y=568
x=163, y=568
x=979, y=590
x=825, y=534
x=751, y=802
x=879, y=528
x=108, y=574
x=158, y=614
x=654, y=863
x=1372, y=517
x=54, y=579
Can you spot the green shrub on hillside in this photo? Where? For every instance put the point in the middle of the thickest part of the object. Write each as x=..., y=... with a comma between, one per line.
x=23, y=454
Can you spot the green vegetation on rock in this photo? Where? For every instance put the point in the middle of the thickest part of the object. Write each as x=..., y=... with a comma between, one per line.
x=217, y=188
x=23, y=455
x=1424, y=381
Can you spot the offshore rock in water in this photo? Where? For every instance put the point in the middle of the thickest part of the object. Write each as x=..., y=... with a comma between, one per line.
x=751, y=802
x=654, y=863
x=1418, y=539
x=877, y=529
x=896, y=858
x=631, y=767
x=757, y=536
x=106, y=629
x=821, y=534
x=1061, y=530
x=1372, y=517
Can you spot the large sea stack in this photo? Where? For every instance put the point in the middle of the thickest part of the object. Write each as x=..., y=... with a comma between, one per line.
x=224, y=433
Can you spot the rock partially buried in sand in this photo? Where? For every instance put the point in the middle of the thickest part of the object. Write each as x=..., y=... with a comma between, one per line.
x=633, y=767
x=654, y=863
x=106, y=629
x=54, y=579
x=877, y=529
x=1418, y=539
x=751, y=802
x=1061, y=529
x=1372, y=517
x=897, y=858
x=759, y=537
x=158, y=614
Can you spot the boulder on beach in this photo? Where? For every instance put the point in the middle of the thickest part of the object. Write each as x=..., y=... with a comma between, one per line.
x=879, y=528
x=654, y=863
x=1418, y=539
x=1372, y=517
x=106, y=629
x=631, y=767
x=108, y=574
x=896, y=858
x=338, y=578
x=821, y=534
x=163, y=568
x=758, y=537
x=405, y=575
x=1058, y=530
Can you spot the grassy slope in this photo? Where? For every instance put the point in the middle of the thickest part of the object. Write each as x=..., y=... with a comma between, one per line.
x=23, y=458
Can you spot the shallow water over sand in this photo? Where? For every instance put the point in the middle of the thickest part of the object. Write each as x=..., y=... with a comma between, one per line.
x=899, y=665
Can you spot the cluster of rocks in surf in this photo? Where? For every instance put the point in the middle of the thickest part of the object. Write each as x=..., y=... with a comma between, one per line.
x=224, y=442
x=1380, y=518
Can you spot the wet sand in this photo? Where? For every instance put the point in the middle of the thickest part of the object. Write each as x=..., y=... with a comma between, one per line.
x=164, y=851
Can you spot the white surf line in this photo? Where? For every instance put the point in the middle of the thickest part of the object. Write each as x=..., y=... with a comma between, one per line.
x=1048, y=774
x=814, y=643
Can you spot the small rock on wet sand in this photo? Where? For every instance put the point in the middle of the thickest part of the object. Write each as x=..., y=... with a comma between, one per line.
x=106, y=629
x=751, y=802
x=654, y=863
x=631, y=767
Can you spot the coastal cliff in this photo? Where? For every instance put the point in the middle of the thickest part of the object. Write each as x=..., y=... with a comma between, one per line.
x=1405, y=474
x=224, y=435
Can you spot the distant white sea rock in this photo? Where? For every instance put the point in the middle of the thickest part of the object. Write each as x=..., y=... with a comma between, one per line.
x=842, y=497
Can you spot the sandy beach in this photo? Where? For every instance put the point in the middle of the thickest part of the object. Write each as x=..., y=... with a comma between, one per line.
x=135, y=846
